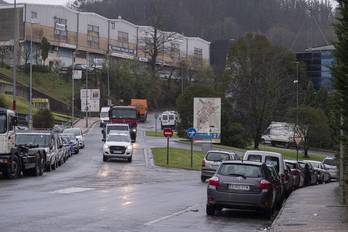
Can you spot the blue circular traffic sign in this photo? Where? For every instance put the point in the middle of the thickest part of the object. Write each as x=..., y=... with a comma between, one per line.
x=191, y=132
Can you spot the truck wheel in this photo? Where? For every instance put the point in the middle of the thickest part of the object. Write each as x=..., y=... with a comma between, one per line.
x=129, y=159
x=42, y=164
x=105, y=158
x=48, y=168
x=36, y=171
x=14, y=171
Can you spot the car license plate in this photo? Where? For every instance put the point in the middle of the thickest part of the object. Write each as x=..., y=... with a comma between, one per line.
x=239, y=187
x=116, y=152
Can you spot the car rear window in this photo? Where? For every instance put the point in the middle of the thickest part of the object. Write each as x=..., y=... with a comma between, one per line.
x=256, y=158
x=246, y=170
x=215, y=156
x=331, y=162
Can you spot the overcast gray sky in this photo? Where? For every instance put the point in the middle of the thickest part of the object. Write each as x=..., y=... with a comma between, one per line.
x=63, y=2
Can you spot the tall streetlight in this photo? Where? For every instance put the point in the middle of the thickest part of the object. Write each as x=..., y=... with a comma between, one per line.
x=14, y=55
x=87, y=71
x=72, y=90
x=296, y=82
x=31, y=78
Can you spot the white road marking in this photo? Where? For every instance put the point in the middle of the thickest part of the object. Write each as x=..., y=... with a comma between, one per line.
x=72, y=190
x=169, y=216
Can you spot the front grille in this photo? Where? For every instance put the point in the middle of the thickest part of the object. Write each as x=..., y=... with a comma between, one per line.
x=117, y=148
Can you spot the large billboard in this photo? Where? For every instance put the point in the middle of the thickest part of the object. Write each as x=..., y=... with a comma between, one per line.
x=90, y=100
x=207, y=119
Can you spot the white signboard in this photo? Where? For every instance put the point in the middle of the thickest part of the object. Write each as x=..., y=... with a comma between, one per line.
x=77, y=74
x=207, y=119
x=90, y=100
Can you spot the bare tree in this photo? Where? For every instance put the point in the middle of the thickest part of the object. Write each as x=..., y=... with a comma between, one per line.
x=154, y=39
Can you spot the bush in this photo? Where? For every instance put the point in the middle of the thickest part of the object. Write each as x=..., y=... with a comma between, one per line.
x=43, y=119
x=3, y=102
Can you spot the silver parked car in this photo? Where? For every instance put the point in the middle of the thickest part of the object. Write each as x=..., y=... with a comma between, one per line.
x=243, y=185
x=298, y=175
x=212, y=160
x=330, y=164
x=322, y=172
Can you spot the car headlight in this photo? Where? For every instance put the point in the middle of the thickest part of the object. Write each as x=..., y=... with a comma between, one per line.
x=106, y=146
x=129, y=147
x=134, y=130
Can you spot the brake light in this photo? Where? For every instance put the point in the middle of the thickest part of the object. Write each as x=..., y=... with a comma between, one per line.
x=214, y=181
x=265, y=184
x=295, y=172
x=203, y=163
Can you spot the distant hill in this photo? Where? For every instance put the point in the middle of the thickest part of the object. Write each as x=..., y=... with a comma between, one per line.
x=2, y=2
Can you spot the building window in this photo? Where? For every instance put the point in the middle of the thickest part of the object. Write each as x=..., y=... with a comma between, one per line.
x=113, y=25
x=34, y=15
x=122, y=39
x=89, y=27
x=89, y=38
x=96, y=29
x=60, y=26
x=174, y=47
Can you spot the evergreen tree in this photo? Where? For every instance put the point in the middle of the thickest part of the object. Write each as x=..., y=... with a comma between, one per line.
x=43, y=119
x=45, y=47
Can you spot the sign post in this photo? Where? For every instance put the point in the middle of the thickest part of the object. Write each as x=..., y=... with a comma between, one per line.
x=297, y=141
x=167, y=133
x=191, y=132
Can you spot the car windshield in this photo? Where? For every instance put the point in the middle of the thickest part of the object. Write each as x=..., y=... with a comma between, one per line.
x=331, y=162
x=104, y=114
x=315, y=164
x=216, y=156
x=3, y=123
x=241, y=169
x=118, y=138
x=66, y=139
x=292, y=165
x=41, y=140
x=76, y=131
x=127, y=113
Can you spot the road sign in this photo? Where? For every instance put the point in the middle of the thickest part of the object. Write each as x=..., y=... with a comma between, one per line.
x=298, y=140
x=167, y=132
x=191, y=132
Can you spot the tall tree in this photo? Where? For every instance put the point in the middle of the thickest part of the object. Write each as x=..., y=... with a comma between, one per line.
x=259, y=79
x=45, y=47
x=339, y=74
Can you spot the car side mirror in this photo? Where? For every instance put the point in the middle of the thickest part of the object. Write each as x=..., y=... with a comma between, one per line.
x=103, y=140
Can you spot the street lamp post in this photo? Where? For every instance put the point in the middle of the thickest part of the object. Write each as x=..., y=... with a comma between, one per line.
x=87, y=90
x=31, y=79
x=296, y=82
x=72, y=90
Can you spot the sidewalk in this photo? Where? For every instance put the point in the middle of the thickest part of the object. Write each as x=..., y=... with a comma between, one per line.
x=81, y=123
x=313, y=208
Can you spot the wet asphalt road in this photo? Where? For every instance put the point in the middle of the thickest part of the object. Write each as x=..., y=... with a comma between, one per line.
x=87, y=194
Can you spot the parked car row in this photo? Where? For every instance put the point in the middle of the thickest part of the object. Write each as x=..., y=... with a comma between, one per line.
x=261, y=181
x=58, y=146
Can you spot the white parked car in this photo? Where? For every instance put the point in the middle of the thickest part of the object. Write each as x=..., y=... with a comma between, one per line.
x=79, y=135
x=118, y=145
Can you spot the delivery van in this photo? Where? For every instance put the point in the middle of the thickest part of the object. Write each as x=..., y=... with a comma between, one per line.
x=104, y=115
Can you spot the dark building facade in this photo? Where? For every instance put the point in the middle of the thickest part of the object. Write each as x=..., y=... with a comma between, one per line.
x=318, y=61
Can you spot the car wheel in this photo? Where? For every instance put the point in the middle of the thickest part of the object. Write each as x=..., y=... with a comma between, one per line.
x=42, y=165
x=210, y=209
x=129, y=159
x=321, y=180
x=77, y=151
x=48, y=168
x=105, y=158
x=14, y=171
x=203, y=178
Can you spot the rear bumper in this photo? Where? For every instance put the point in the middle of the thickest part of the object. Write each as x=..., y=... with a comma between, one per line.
x=252, y=201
